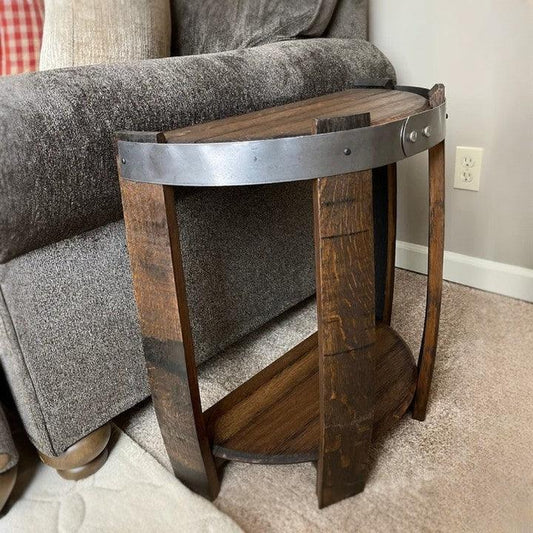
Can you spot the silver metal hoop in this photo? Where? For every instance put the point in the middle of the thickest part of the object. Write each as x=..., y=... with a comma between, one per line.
x=283, y=159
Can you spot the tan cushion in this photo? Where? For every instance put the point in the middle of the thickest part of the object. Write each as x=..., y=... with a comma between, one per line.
x=85, y=32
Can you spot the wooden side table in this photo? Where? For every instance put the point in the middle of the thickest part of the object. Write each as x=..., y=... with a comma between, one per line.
x=329, y=396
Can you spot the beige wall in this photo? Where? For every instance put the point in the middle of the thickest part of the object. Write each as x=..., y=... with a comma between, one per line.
x=482, y=50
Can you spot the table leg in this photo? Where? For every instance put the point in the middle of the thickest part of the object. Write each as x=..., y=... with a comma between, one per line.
x=391, y=242
x=155, y=256
x=428, y=349
x=346, y=332
x=344, y=246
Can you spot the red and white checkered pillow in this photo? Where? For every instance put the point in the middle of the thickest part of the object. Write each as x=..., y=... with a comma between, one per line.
x=21, y=29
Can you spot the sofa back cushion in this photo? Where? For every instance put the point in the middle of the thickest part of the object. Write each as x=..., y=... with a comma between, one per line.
x=203, y=26
x=87, y=32
x=349, y=20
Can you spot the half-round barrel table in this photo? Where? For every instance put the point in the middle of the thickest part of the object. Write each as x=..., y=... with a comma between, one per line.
x=327, y=398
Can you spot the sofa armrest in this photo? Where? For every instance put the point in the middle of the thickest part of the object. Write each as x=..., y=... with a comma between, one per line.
x=57, y=167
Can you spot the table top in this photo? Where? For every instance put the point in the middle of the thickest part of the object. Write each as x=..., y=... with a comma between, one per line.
x=282, y=144
x=384, y=106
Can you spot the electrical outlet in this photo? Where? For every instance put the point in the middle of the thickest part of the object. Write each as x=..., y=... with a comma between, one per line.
x=468, y=168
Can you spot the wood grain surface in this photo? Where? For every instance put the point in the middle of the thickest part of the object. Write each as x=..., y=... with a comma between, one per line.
x=428, y=350
x=299, y=118
x=154, y=249
x=273, y=417
x=344, y=247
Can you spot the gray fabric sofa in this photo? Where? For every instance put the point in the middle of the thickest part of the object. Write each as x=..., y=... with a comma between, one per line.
x=69, y=340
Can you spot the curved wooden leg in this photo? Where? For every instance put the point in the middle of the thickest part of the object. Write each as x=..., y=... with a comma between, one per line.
x=428, y=349
x=84, y=457
x=391, y=242
x=344, y=242
x=159, y=287
x=7, y=482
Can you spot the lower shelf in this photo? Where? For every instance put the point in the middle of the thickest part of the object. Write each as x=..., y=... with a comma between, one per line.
x=273, y=417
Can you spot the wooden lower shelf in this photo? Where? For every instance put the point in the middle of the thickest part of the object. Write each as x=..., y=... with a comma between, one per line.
x=273, y=417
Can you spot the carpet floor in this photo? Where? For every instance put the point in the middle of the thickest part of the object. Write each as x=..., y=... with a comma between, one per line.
x=469, y=467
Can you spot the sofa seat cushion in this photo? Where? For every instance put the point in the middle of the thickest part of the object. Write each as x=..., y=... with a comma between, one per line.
x=57, y=164
x=218, y=25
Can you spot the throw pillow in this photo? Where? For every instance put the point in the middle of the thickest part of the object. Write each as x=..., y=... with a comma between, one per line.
x=21, y=27
x=86, y=32
x=204, y=26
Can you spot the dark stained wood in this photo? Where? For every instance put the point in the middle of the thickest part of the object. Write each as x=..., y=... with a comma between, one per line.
x=329, y=396
x=248, y=424
x=437, y=95
x=155, y=256
x=345, y=122
x=426, y=361
x=273, y=417
x=298, y=118
x=391, y=242
x=395, y=376
x=344, y=247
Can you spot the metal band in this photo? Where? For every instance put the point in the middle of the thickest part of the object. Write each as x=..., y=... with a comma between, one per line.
x=282, y=159
x=421, y=91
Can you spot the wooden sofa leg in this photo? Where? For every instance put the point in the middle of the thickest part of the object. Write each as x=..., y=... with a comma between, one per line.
x=84, y=457
x=7, y=482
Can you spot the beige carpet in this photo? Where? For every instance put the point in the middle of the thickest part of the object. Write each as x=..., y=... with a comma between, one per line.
x=469, y=467
x=133, y=493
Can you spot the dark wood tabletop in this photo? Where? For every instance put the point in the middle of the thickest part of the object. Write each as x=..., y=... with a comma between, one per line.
x=298, y=118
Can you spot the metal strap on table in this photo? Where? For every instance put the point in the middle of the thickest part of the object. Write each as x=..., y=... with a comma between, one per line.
x=284, y=159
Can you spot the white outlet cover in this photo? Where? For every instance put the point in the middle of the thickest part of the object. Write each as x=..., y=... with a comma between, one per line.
x=468, y=161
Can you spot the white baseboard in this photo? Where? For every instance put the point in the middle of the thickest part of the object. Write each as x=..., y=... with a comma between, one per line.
x=509, y=280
